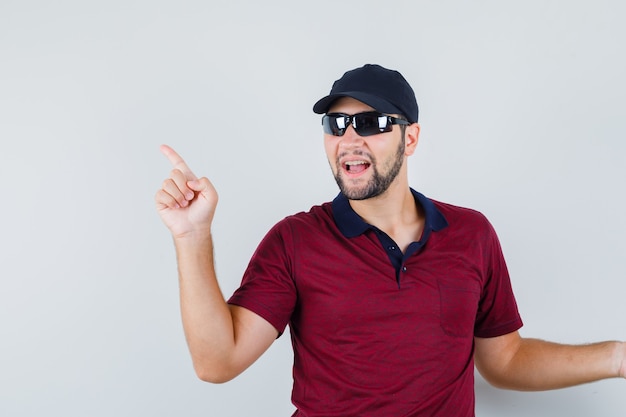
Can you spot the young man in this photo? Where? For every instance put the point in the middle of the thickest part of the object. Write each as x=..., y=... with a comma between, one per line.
x=391, y=297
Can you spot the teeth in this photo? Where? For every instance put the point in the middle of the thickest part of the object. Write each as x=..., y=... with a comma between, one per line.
x=356, y=163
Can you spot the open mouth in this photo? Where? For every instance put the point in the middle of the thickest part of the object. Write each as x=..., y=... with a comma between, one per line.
x=355, y=167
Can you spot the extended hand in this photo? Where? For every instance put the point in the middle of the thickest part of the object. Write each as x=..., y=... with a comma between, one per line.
x=185, y=203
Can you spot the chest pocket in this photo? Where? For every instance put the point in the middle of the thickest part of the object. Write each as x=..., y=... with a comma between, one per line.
x=458, y=303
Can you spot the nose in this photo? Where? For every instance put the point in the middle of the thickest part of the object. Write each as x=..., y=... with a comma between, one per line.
x=350, y=138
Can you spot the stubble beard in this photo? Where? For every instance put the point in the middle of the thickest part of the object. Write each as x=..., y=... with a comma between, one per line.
x=379, y=183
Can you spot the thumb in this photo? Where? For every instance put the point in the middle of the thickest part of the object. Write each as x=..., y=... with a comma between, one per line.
x=204, y=187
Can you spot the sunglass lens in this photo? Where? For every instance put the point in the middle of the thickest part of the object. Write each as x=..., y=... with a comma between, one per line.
x=334, y=124
x=368, y=124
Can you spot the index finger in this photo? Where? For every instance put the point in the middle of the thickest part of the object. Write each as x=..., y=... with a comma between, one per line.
x=177, y=161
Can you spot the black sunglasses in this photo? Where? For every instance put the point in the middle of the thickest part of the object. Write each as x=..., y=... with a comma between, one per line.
x=365, y=124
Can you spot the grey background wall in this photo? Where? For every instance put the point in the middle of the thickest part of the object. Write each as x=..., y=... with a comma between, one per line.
x=522, y=112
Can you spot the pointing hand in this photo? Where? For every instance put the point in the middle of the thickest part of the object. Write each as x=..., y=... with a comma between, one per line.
x=185, y=203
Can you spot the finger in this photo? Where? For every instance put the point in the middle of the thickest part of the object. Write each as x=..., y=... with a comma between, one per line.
x=164, y=199
x=171, y=189
x=177, y=161
x=181, y=182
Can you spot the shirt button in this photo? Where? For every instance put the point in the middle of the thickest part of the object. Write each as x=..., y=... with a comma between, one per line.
x=392, y=248
x=404, y=269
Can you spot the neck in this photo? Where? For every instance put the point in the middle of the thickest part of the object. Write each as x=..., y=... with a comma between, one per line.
x=395, y=212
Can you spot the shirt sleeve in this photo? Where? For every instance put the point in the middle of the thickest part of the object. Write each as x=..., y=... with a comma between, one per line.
x=267, y=287
x=497, y=312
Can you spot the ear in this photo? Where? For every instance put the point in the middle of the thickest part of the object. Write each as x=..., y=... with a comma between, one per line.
x=411, y=137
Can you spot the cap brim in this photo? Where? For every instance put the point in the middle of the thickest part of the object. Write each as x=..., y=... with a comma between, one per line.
x=373, y=101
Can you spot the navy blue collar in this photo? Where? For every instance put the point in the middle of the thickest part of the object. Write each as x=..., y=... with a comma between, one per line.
x=351, y=225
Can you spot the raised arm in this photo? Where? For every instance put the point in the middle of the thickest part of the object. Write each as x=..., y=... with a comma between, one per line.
x=223, y=340
x=513, y=362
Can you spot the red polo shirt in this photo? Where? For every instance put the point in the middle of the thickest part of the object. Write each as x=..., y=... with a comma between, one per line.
x=376, y=332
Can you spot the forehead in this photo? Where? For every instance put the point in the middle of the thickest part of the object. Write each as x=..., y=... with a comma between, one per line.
x=348, y=105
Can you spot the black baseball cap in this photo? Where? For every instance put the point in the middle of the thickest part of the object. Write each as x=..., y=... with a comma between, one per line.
x=383, y=89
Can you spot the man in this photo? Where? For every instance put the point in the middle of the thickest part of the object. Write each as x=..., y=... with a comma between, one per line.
x=391, y=297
